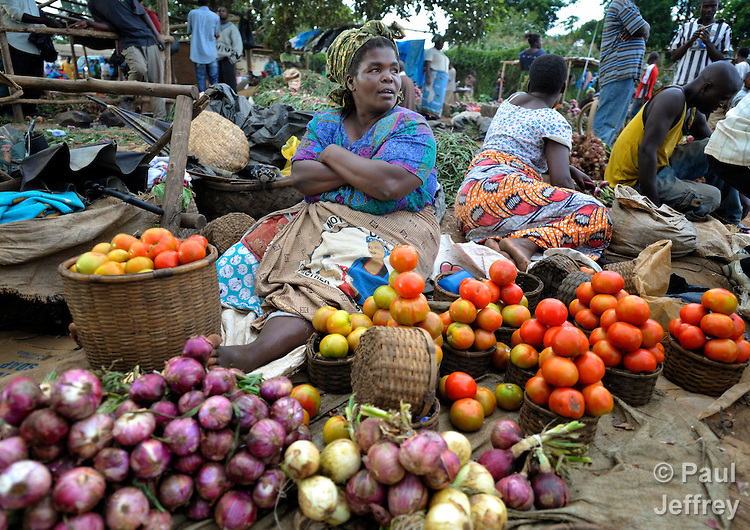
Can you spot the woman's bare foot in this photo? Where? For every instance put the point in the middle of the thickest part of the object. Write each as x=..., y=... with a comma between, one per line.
x=494, y=244
x=279, y=336
x=520, y=250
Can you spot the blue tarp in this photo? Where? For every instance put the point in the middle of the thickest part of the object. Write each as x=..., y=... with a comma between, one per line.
x=299, y=41
x=23, y=205
x=412, y=53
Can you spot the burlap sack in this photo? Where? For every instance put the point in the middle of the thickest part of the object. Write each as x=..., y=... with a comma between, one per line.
x=218, y=142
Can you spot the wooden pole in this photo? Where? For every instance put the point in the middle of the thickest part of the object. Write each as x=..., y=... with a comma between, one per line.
x=502, y=81
x=87, y=67
x=75, y=59
x=198, y=107
x=163, y=12
x=5, y=49
x=134, y=88
x=178, y=152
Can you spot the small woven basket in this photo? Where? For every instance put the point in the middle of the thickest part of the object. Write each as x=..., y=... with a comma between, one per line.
x=227, y=230
x=440, y=294
x=474, y=363
x=552, y=270
x=142, y=319
x=532, y=288
x=218, y=142
x=504, y=334
x=533, y=419
x=633, y=389
x=329, y=375
x=697, y=373
x=567, y=290
x=517, y=375
x=430, y=421
x=626, y=269
x=393, y=365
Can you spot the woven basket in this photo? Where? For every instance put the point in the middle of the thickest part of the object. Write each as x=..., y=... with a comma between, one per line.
x=567, y=290
x=218, y=196
x=627, y=271
x=393, y=365
x=504, y=334
x=518, y=375
x=218, y=142
x=552, y=270
x=329, y=375
x=633, y=389
x=532, y=288
x=440, y=294
x=474, y=363
x=430, y=421
x=142, y=318
x=533, y=419
x=227, y=230
x=697, y=373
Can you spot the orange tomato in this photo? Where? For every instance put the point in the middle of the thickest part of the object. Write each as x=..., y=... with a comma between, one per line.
x=607, y=282
x=484, y=340
x=692, y=313
x=154, y=235
x=560, y=371
x=598, y=400
x=409, y=284
x=722, y=350
x=487, y=399
x=585, y=292
x=403, y=258
x=459, y=336
x=590, y=367
x=601, y=302
x=462, y=310
x=503, y=272
x=166, y=259
x=489, y=319
x=191, y=250
x=567, y=402
x=624, y=336
x=633, y=310
x=538, y=390
x=123, y=241
x=639, y=361
x=611, y=356
x=432, y=324
x=467, y=414
x=717, y=325
x=200, y=239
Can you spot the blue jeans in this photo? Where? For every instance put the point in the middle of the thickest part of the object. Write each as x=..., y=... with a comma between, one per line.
x=200, y=74
x=614, y=100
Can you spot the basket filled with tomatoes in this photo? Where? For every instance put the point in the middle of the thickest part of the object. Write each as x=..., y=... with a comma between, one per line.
x=135, y=301
x=707, y=352
x=329, y=367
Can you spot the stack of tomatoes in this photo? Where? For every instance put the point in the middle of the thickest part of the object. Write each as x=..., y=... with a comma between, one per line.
x=157, y=248
x=569, y=377
x=470, y=404
x=713, y=328
x=594, y=297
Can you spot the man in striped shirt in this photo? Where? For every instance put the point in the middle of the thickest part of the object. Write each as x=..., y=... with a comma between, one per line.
x=699, y=43
x=623, y=45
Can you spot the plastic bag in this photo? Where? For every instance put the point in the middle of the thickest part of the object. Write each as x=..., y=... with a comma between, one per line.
x=290, y=147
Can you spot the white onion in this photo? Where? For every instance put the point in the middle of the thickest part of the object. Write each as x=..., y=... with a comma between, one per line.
x=301, y=459
x=340, y=460
x=447, y=516
x=318, y=497
x=459, y=444
x=342, y=513
x=451, y=495
x=475, y=477
x=487, y=512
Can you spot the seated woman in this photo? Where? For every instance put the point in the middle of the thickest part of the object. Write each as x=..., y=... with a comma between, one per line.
x=367, y=170
x=503, y=201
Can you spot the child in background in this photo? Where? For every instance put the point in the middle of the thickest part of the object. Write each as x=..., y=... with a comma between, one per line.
x=646, y=86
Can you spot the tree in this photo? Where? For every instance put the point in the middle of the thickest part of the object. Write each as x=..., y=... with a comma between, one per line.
x=658, y=13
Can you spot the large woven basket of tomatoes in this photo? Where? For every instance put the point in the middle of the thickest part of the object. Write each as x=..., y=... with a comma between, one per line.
x=707, y=352
x=131, y=308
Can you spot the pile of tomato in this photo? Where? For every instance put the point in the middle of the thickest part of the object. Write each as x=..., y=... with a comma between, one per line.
x=157, y=248
x=712, y=328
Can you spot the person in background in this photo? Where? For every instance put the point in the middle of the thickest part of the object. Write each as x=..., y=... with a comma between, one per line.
x=624, y=39
x=272, y=68
x=228, y=49
x=205, y=28
x=140, y=42
x=647, y=156
x=646, y=86
x=504, y=203
x=740, y=62
x=744, y=91
x=288, y=59
x=527, y=56
x=24, y=54
x=450, y=88
x=408, y=91
x=67, y=68
x=470, y=82
x=699, y=43
x=435, y=79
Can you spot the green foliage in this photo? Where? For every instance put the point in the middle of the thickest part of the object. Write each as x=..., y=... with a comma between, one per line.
x=486, y=63
x=454, y=154
x=737, y=13
x=312, y=94
x=658, y=13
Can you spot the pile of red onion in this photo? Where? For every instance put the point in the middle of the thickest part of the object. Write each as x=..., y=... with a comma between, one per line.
x=81, y=454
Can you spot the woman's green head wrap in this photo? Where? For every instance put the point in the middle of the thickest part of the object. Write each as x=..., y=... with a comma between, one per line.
x=341, y=53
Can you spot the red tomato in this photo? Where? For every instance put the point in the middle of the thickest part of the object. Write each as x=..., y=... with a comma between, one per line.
x=591, y=368
x=191, y=250
x=691, y=337
x=622, y=293
x=483, y=340
x=404, y=258
x=381, y=317
x=639, y=361
x=674, y=327
x=719, y=301
x=560, y=371
x=166, y=259
x=475, y=292
x=652, y=333
x=567, y=342
x=551, y=312
x=532, y=332
x=167, y=242
x=633, y=310
x=139, y=248
x=601, y=302
x=546, y=354
x=611, y=356
x=460, y=385
x=489, y=319
x=494, y=290
x=308, y=397
x=538, y=390
x=587, y=319
x=462, y=310
x=500, y=357
x=442, y=394
x=717, y=325
x=409, y=284
x=692, y=313
x=739, y=327
x=722, y=350
x=585, y=292
x=446, y=319
x=607, y=318
x=575, y=306
x=487, y=398
x=432, y=324
x=467, y=414
x=459, y=336
x=409, y=311
x=607, y=282
x=597, y=334
x=599, y=400
x=200, y=239
x=743, y=351
x=567, y=402
x=624, y=336
x=511, y=294
x=547, y=342
x=515, y=338
x=524, y=356
x=657, y=350
x=503, y=272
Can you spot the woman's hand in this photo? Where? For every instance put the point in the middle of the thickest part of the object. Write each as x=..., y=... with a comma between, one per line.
x=581, y=179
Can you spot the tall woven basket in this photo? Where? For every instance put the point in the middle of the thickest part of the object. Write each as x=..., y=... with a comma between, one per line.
x=552, y=270
x=626, y=269
x=697, y=373
x=218, y=142
x=393, y=365
x=329, y=375
x=633, y=389
x=533, y=419
x=142, y=319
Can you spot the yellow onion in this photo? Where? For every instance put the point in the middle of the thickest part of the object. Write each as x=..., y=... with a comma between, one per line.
x=459, y=444
x=342, y=513
x=447, y=516
x=301, y=459
x=451, y=495
x=487, y=512
x=318, y=497
x=340, y=460
x=475, y=477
